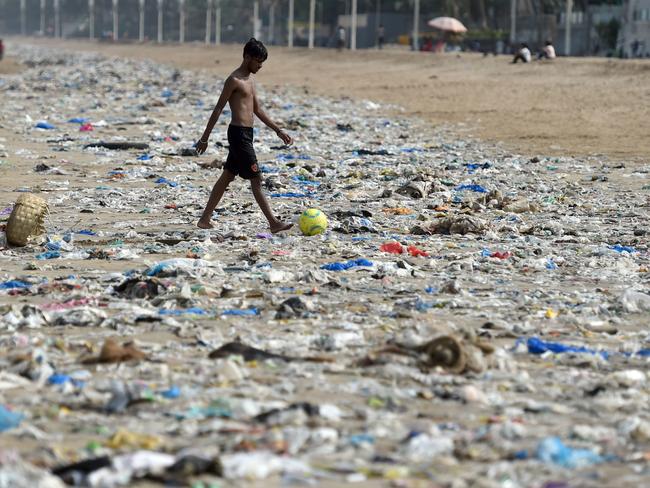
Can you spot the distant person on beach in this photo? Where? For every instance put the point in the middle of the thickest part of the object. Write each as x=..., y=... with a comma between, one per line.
x=2, y=50
x=340, y=38
x=380, y=36
x=547, y=52
x=523, y=54
x=240, y=93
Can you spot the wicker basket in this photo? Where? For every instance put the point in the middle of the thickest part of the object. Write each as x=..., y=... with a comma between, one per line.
x=26, y=219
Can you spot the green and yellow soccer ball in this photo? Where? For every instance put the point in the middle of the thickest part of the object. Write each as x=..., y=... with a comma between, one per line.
x=312, y=222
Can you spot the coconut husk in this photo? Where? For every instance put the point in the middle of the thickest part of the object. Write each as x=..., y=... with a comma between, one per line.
x=446, y=351
x=112, y=352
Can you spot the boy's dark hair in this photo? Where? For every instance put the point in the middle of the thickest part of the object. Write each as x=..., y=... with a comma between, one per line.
x=255, y=49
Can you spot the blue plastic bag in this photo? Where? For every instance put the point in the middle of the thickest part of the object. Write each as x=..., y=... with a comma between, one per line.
x=538, y=346
x=13, y=285
x=343, y=266
x=44, y=125
x=165, y=181
x=476, y=188
x=551, y=450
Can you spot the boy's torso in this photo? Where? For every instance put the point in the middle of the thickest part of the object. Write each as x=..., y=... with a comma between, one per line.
x=242, y=101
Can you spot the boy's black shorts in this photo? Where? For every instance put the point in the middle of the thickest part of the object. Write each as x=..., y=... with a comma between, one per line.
x=241, y=160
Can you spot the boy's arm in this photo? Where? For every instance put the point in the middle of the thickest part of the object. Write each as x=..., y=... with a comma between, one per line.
x=228, y=88
x=261, y=114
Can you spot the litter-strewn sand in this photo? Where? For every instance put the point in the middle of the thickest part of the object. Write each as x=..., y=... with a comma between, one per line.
x=577, y=106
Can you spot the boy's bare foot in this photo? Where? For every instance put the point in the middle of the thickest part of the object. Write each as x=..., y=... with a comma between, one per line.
x=204, y=225
x=279, y=227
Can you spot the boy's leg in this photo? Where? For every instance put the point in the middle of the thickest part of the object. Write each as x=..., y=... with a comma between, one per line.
x=217, y=192
x=275, y=224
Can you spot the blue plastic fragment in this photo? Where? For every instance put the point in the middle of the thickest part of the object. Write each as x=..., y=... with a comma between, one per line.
x=44, y=125
x=53, y=245
x=241, y=312
x=521, y=455
x=538, y=346
x=552, y=450
x=343, y=266
x=619, y=248
x=472, y=167
x=358, y=439
x=9, y=419
x=291, y=194
x=182, y=311
x=290, y=157
x=48, y=255
x=303, y=180
x=475, y=188
x=14, y=285
x=173, y=392
x=58, y=379
x=165, y=181
x=269, y=169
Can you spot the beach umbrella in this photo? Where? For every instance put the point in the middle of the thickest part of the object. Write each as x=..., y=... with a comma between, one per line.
x=448, y=24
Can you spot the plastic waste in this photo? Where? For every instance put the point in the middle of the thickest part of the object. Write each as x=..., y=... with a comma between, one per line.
x=9, y=419
x=394, y=348
x=553, y=450
x=44, y=125
x=347, y=265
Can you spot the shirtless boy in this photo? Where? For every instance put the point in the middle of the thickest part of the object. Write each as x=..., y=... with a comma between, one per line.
x=239, y=91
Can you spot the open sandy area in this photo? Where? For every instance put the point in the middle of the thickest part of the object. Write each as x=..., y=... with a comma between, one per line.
x=577, y=106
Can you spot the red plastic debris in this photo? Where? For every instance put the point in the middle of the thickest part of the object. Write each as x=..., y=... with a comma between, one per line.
x=392, y=247
x=415, y=252
x=501, y=255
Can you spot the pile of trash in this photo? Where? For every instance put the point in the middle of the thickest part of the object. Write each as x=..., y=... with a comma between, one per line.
x=471, y=317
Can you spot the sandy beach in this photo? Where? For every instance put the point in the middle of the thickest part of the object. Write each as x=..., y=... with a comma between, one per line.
x=481, y=292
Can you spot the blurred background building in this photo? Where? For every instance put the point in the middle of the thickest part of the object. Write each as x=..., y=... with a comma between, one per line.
x=596, y=27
